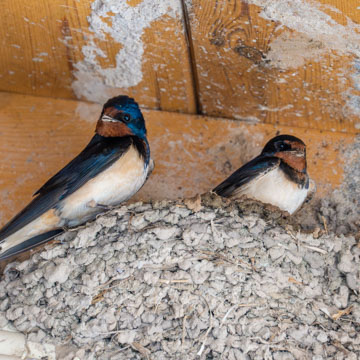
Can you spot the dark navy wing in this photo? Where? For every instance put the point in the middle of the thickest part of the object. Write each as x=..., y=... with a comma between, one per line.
x=246, y=173
x=98, y=155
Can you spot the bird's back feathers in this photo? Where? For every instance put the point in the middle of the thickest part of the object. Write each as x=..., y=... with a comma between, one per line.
x=246, y=173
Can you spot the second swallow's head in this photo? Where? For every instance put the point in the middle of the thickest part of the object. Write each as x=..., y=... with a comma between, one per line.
x=121, y=116
x=290, y=149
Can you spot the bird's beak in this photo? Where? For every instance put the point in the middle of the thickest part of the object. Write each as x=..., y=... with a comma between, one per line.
x=298, y=153
x=107, y=118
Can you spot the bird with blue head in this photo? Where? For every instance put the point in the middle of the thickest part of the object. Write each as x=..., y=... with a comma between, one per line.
x=110, y=170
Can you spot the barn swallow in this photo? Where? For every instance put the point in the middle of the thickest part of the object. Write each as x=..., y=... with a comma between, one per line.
x=110, y=170
x=277, y=176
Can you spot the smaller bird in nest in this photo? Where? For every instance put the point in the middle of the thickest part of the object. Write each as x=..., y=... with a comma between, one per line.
x=277, y=176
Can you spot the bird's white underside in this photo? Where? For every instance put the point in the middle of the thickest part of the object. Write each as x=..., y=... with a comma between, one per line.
x=111, y=187
x=276, y=189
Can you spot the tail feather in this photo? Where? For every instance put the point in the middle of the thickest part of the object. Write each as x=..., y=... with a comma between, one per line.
x=30, y=243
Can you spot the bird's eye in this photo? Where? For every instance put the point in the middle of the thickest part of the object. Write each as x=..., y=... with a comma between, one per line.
x=126, y=117
x=282, y=146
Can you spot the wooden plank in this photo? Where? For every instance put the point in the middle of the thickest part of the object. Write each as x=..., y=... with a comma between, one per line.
x=192, y=154
x=52, y=48
x=289, y=63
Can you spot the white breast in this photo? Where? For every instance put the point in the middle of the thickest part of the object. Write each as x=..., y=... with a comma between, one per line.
x=276, y=189
x=116, y=184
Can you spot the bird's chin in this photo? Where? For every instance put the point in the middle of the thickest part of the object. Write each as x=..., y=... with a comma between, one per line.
x=113, y=129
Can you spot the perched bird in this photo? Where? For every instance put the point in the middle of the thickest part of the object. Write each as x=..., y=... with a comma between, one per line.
x=277, y=176
x=111, y=169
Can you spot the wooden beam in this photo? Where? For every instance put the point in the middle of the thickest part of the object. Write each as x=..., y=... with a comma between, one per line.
x=49, y=48
x=288, y=63
x=192, y=154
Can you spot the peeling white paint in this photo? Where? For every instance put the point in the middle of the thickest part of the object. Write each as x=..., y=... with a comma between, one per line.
x=290, y=50
x=317, y=33
x=125, y=24
x=286, y=107
x=307, y=18
x=39, y=57
x=88, y=112
x=353, y=99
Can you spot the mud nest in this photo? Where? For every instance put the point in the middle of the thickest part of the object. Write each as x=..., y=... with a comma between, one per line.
x=196, y=279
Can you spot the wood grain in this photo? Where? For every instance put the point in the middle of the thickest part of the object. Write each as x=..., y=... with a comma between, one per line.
x=236, y=48
x=233, y=49
x=192, y=153
x=42, y=40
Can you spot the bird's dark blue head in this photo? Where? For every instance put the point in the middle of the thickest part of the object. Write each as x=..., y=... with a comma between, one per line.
x=290, y=149
x=121, y=116
x=283, y=143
